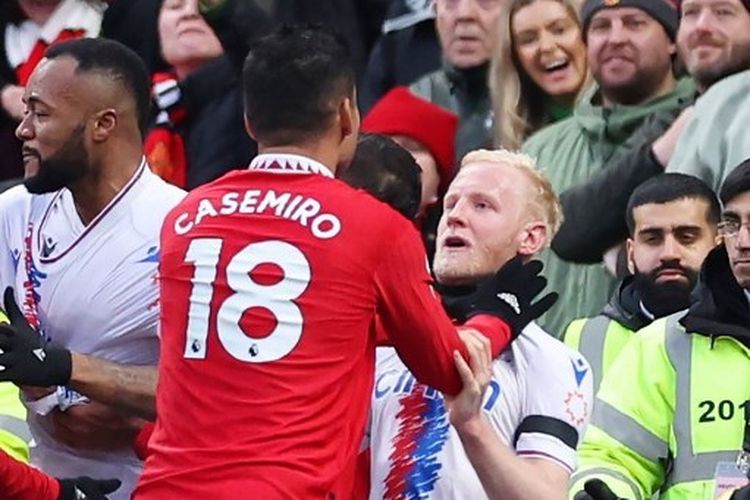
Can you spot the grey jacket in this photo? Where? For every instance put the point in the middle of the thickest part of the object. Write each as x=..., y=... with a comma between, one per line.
x=465, y=92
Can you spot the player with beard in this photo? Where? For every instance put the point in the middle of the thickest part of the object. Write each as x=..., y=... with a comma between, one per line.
x=78, y=254
x=521, y=443
x=672, y=220
x=60, y=169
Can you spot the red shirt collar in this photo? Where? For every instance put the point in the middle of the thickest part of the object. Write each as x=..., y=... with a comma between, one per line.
x=289, y=164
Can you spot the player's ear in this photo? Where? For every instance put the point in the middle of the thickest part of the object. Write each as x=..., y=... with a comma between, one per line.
x=249, y=128
x=631, y=259
x=533, y=239
x=348, y=117
x=104, y=123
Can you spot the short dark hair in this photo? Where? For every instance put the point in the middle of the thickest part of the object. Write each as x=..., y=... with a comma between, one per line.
x=292, y=82
x=116, y=61
x=736, y=183
x=665, y=188
x=387, y=171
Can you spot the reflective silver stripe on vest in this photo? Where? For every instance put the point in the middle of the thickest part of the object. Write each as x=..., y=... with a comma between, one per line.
x=700, y=467
x=591, y=345
x=16, y=426
x=629, y=432
x=687, y=466
x=598, y=472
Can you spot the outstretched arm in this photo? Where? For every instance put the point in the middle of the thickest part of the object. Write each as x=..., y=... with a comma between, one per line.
x=129, y=388
x=22, y=482
x=26, y=360
x=595, y=211
x=237, y=24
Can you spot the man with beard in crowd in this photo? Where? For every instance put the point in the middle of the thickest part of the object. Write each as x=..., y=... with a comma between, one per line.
x=630, y=50
x=713, y=41
x=671, y=416
x=672, y=220
x=715, y=139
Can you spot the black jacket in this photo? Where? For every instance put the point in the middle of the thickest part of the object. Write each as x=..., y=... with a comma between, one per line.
x=407, y=50
x=720, y=306
x=237, y=24
x=595, y=211
x=358, y=21
x=466, y=93
x=11, y=166
x=214, y=133
x=135, y=23
x=624, y=306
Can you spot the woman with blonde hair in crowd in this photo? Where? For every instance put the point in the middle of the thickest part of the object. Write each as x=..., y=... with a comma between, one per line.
x=538, y=68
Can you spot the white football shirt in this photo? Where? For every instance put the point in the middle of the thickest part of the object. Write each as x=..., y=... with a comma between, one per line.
x=539, y=402
x=89, y=288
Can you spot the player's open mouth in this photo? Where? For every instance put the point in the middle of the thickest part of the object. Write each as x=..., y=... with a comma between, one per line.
x=455, y=242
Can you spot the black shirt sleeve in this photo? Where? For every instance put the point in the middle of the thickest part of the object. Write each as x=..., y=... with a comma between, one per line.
x=595, y=211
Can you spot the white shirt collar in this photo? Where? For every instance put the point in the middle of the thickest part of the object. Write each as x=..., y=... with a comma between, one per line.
x=115, y=207
x=289, y=164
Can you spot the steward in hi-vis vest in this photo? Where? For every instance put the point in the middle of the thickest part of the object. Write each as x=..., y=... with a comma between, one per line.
x=14, y=432
x=672, y=415
x=601, y=338
x=672, y=222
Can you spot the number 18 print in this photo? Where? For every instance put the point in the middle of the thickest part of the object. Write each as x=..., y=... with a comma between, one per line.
x=246, y=293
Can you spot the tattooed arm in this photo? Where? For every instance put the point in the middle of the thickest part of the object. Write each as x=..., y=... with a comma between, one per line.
x=129, y=388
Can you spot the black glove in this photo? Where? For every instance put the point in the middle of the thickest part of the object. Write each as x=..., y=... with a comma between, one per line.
x=596, y=489
x=85, y=488
x=741, y=494
x=25, y=359
x=508, y=295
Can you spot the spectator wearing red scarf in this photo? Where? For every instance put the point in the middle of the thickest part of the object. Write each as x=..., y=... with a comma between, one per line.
x=197, y=131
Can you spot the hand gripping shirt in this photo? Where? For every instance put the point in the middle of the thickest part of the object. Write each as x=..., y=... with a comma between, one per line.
x=271, y=279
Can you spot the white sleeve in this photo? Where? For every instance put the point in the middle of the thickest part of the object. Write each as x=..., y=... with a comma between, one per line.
x=559, y=398
x=12, y=204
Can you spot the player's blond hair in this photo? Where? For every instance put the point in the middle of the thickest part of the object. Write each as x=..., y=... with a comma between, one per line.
x=544, y=202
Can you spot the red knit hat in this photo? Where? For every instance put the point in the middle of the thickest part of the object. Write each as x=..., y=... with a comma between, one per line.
x=400, y=112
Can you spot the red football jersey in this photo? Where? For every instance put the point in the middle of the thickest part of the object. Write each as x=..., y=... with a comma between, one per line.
x=270, y=281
